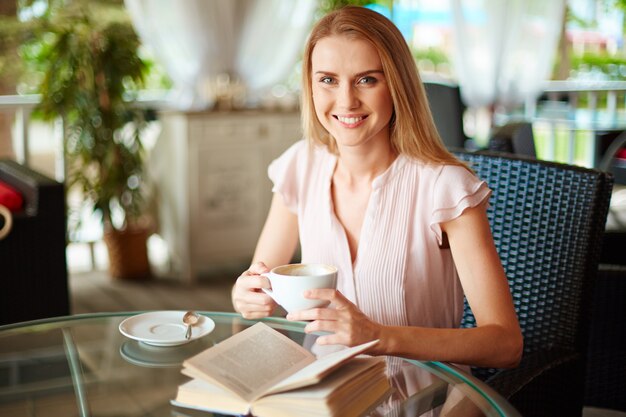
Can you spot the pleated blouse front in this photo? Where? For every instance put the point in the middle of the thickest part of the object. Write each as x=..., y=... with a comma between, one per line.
x=400, y=275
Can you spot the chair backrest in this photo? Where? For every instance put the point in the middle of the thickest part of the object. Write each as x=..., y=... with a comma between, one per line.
x=547, y=221
x=447, y=108
x=515, y=137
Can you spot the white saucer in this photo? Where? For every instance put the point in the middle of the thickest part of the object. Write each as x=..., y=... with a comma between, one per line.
x=164, y=328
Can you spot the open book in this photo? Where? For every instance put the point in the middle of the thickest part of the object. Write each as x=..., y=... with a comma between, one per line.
x=263, y=372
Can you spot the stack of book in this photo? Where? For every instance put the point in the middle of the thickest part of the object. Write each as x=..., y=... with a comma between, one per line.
x=262, y=372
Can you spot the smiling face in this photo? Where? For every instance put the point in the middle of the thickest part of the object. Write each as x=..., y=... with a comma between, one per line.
x=350, y=92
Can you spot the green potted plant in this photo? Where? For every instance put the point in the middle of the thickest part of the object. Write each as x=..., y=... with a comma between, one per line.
x=90, y=69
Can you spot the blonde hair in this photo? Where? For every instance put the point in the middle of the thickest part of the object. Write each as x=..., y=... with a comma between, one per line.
x=412, y=129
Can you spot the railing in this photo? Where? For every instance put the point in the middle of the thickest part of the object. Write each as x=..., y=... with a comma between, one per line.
x=570, y=115
x=23, y=106
x=572, y=91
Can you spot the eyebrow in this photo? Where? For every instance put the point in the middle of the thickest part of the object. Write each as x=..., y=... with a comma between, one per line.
x=360, y=74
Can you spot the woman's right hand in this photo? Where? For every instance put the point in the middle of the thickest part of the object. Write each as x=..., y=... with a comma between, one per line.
x=247, y=296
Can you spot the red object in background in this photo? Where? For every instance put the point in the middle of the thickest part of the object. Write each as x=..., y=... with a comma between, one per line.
x=10, y=198
x=621, y=154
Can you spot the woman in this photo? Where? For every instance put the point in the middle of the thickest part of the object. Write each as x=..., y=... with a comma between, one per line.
x=375, y=193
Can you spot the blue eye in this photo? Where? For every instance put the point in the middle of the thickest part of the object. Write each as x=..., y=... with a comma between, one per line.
x=367, y=80
x=326, y=80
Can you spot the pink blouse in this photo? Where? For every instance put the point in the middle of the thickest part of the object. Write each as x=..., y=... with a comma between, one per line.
x=400, y=275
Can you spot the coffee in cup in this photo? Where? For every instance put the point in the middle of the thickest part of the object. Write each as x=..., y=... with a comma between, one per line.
x=290, y=281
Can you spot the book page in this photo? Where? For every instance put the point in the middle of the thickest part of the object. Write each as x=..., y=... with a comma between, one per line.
x=315, y=371
x=250, y=362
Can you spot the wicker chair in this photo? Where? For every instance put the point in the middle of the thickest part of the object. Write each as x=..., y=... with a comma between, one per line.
x=547, y=221
x=33, y=269
x=606, y=366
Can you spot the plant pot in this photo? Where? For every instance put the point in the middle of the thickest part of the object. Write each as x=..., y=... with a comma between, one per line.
x=128, y=253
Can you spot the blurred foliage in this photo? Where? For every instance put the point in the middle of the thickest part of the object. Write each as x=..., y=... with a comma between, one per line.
x=436, y=56
x=19, y=34
x=620, y=4
x=598, y=64
x=612, y=66
x=13, y=34
x=326, y=6
x=90, y=72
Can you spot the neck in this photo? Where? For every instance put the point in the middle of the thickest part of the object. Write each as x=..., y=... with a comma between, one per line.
x=358, y=165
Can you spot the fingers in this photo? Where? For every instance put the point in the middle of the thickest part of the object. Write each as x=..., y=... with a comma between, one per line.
x=248, y=294
x=253, y=307
x=334, y=296
x=314, y=314
x=257, y=268
x=252, y=278
x=253, y=297
x=324, y=320
x=248, y=299
x=338, y=301
x=331, y=332
x=332, y=339
x=252, y=282
x=342, y=324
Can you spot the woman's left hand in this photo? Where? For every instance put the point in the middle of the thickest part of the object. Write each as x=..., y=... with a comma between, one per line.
x=346, y=324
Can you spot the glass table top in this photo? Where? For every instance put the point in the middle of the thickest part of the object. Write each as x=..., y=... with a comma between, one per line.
x=84, y=366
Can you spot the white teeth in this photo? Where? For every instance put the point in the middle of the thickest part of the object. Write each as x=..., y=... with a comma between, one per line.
x=349, y=120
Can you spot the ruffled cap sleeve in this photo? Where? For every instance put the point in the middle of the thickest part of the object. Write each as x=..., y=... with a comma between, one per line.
x=283, y=173
x=455, y=190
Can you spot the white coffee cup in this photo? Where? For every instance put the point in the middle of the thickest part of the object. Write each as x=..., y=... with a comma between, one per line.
x=290, y=281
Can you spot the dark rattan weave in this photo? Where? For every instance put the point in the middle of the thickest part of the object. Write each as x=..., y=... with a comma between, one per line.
x=547, y=221
x=33, y=269
x=606, y=367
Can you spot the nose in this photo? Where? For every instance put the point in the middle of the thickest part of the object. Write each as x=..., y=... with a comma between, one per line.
x=347, y=97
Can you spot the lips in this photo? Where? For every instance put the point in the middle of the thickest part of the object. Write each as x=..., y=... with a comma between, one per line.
x=350, y=120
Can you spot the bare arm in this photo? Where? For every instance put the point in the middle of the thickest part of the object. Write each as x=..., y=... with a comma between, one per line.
x=486, y=287
x=495, y=342
x=497, y=339
x=276, y=246
x=279, y=237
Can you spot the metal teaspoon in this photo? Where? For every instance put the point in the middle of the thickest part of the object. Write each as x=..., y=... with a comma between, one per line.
x=190, y=318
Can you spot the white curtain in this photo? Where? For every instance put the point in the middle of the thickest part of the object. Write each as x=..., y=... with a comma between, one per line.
x=255, y=41
x=504, y=49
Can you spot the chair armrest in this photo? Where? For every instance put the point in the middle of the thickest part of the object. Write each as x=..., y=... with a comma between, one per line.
x=508, y=382
x=43, y=196
x=546, y=383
